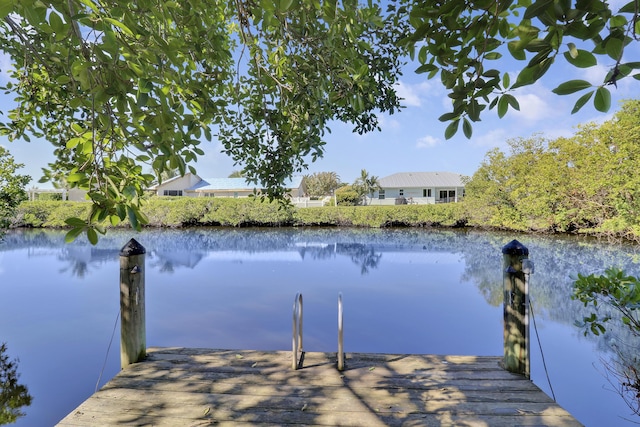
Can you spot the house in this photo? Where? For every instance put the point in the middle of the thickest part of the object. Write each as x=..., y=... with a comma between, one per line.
x=419, y=188
x=191, y=185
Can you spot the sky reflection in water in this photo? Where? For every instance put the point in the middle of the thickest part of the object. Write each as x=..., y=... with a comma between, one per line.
x=404, y=291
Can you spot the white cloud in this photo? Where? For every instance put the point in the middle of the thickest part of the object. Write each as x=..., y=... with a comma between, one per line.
x=595, y=74
x=412, y=94
x=533, y=107
x=493, y=138
x=386, y=122
x=427, y=142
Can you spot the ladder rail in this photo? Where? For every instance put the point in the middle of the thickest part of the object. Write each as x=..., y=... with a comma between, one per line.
x=296, y=341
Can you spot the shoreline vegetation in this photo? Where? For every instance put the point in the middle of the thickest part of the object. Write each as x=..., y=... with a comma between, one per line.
x=181, y=212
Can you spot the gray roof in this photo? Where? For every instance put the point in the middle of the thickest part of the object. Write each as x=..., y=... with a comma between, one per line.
x=212, y=184
x=421, y=180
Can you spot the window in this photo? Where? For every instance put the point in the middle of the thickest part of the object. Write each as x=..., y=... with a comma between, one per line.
x=173, y=192
x=401, y=192
x=381, y=194
x=426, y=192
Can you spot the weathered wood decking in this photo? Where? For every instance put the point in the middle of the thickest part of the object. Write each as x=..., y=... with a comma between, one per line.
x=199, y=387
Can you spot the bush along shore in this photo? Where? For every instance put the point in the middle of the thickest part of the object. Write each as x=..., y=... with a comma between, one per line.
x=248, y=212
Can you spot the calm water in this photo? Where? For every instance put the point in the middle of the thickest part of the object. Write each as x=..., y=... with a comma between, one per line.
x=404, y=291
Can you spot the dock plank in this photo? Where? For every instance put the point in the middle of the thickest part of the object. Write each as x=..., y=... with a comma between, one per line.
x=196, y=387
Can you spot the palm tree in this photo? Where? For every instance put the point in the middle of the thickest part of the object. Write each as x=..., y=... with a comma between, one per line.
x=366, y=185
x=236, y=174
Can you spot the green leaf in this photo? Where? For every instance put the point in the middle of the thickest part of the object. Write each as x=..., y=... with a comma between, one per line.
x=92, y=235
x=448, y=116
x=426, y=68
x=467, y=129
x=581, y=102
x=451, y=130
x=120, y=25
x=506, y=81
x=571, y=86
x=76, y=177
x=618, y=21
x=516, y=52
x=133, y=218
x=284, y=5
x=503, y=106
x=602, y=100
x=73, y=234
x=582, y=58
x=56, y=22
x=63, y=79
x=6, y=7
x=513, y=102
x=613, y=47
x=75, y=222
x=537, y=8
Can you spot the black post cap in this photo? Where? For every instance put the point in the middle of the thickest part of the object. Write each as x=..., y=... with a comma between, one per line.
x=515, y=248
x=132, y=248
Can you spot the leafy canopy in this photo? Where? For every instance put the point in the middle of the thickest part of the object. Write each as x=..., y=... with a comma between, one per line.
x=463, y=43
x=118, y=86
x=12, y=186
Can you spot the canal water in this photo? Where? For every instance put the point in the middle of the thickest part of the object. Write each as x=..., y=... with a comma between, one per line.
x=404, y=291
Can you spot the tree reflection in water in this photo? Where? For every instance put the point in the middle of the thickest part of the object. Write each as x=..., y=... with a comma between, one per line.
x=13, y=396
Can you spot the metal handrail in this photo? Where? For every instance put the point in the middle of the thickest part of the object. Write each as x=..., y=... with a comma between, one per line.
x=297, y=332
x=340, y=335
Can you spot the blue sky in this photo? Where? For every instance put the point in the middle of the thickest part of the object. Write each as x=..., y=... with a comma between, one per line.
x=412, y=140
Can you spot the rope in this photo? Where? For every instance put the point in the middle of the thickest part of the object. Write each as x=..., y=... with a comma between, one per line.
x=106, y=356
x=544, y=364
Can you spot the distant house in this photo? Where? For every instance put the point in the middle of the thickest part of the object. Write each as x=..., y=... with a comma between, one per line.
x=419, y=188
x=191, y=185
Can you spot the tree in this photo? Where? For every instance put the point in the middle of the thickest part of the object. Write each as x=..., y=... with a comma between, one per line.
x=12, y=186
x=236, y=174
x=13, y=395
x=347, y=196
x=587, y=182
x=615, y=297
x=366, y=185
x=322, y=184
x=458, y=41
x=117, y=85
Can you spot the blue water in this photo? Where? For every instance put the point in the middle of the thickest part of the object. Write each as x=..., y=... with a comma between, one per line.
x=404, y=291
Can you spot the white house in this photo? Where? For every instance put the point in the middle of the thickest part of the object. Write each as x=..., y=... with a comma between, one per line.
x=191, y=185
x=419, y=188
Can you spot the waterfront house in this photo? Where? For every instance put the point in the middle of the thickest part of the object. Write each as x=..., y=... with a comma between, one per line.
x=419, y=188
x=191, y=185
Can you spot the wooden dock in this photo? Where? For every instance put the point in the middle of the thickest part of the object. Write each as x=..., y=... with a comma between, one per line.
x=201, y=387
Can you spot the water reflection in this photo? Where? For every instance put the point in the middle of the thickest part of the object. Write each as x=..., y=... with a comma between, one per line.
x=558, y=260
x=13, y=395
x=394, y=280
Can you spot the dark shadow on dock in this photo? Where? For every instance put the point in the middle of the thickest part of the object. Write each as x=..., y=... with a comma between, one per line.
x=197, y=387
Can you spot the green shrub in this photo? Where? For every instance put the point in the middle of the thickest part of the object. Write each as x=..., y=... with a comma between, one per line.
x=347, y=196
x=185, y=211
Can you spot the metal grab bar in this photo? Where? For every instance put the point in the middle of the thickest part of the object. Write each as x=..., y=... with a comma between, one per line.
x=297, y=332
x=340, y=335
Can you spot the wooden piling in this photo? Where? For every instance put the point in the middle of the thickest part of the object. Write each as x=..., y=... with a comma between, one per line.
x=133, y=346
x=516, y=309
